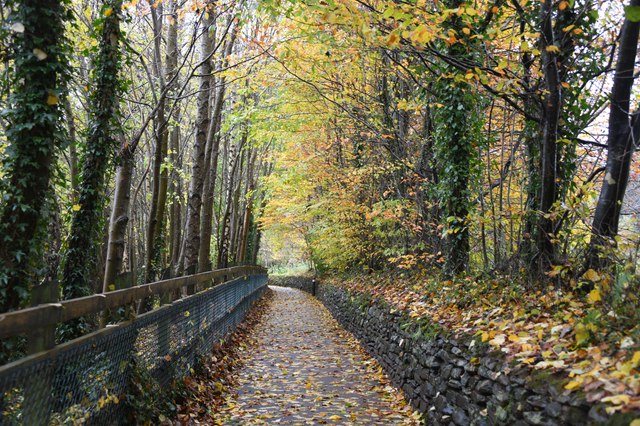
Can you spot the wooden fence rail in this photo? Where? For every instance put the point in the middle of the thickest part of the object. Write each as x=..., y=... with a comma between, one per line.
x=44, y=316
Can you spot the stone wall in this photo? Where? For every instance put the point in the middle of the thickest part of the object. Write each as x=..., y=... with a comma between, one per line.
x=458, y=380
x=304, y=283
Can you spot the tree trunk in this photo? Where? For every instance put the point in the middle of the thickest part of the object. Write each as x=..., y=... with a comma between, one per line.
x=455, y=150
x=174, y=139
x=73, y=141
x=100, y=150
x=243, y=237
x=224, y=241
x=118, y=220
x=624, y=131
x=551, y=104
x=34, y=134
x=211, y=161
x=159, y=178
x=194, y=205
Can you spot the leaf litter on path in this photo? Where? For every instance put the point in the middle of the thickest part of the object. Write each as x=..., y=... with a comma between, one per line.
x=301, y=367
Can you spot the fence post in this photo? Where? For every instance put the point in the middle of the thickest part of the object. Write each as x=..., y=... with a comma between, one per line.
x=37, y=389
x=191, y=288
x=163, y=326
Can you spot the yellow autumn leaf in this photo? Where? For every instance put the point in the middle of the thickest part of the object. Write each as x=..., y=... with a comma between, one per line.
x=75, y=207
x=335, y=418
x=471, y=11
x=422, y=35
x=393, y=40
x=625, y=369
x=108, y=12
x=552, y=49
x=466, y=30
x=565, y=85
x=513, y=338
x=594, y=296
x=617, y=399
x=52, y=99
x=582, y=334
x=635, y=359
x=591, y=275
x=572, y=385
x=40, y=54
x=563, y=5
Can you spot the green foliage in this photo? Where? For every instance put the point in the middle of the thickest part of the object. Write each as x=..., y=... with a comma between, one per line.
x=146, y=399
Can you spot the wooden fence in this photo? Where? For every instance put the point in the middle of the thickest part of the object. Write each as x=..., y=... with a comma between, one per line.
x=39, y=322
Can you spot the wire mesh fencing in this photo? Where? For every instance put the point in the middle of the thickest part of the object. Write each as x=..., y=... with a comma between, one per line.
x=84, y=381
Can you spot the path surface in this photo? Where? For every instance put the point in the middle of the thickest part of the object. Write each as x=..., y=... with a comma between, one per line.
x=305, y=369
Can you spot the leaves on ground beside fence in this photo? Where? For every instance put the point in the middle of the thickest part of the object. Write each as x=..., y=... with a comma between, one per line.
x=206, y=389
x=546, y=330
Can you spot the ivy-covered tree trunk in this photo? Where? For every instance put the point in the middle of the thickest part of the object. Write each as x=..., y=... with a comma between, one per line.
x=456, y=135
x=34, y=135
x=624, y=130
x=100, y=149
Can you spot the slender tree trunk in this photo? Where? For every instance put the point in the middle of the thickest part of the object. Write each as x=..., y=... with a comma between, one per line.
x=235, y=210
x=159, y=179
x=119, y=219
x=194, y=205
x=624, y=130
x=224, y=242
x=73, y=142
x=551, y=105
x=243, y=237
x=211, y=161
x=174, y=140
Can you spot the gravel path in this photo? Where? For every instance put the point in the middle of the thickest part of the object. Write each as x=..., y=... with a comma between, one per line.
x=303, y=368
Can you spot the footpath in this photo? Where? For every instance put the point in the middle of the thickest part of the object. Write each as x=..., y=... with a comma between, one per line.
x=303, y=368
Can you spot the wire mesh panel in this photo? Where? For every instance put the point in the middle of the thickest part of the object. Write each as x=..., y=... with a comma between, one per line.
x=84, y=381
